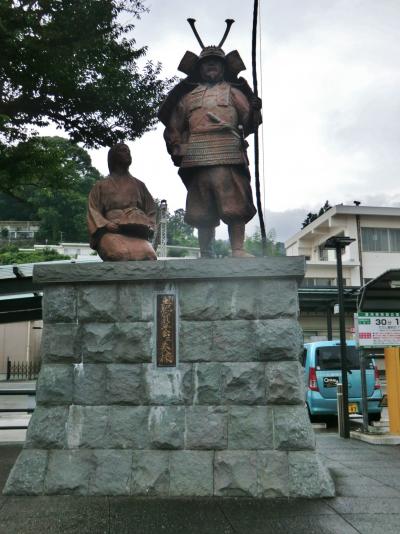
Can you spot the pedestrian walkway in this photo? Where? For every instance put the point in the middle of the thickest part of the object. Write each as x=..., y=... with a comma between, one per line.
x=368, y=502
x=18, y=419
x=18, y=384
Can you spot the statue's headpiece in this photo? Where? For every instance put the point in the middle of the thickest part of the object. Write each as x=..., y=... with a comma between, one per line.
x=233, y=62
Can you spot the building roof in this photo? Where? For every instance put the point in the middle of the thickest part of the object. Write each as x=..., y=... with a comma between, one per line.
x=22, y=270
x=323, y=223
x=20, y=298
x=321, y=299
x=382, y=293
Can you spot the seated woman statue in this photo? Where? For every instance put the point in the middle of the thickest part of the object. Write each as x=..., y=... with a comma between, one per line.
x=121, y=212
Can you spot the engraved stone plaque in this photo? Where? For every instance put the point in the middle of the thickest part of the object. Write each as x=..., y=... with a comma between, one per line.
x=166, y=330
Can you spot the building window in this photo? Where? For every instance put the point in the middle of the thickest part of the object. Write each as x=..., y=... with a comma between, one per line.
x=24, y=234
x=375, y=239
x=318, y=282
x=380, y=239
x=394, y=239
x=322, y=282
x=323, y=254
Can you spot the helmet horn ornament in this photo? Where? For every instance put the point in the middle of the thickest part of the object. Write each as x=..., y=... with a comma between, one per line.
x=229, y=23
x=192, y=25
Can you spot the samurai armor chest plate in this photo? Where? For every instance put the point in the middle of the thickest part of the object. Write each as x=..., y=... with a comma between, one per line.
x=214, y=138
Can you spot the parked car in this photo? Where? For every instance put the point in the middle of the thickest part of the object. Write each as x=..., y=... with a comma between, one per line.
x=322, y=371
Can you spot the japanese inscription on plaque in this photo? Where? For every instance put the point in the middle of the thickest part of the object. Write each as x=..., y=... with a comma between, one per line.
x=166, y=330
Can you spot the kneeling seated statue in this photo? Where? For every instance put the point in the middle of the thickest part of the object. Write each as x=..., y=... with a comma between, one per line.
x=121, y=212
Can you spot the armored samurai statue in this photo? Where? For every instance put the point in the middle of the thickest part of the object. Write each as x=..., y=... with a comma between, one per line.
x=121, y=212
x=207, y=117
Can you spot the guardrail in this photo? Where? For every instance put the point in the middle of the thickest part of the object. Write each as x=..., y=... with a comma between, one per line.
x=28, y=408
x=22, y=370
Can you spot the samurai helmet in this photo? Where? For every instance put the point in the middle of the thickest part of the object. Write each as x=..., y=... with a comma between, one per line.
x=233, y=62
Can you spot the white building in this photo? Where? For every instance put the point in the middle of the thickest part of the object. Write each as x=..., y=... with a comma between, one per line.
x=82, y=251
x=19, y=229
x=376, y=248
x=79, y=251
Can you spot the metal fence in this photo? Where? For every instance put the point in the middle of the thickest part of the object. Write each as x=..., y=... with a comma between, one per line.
x=22, y=370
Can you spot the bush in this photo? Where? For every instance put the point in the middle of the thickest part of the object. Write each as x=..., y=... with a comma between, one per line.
x=10, y=255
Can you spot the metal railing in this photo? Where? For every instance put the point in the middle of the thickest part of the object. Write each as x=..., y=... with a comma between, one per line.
x=22, y=370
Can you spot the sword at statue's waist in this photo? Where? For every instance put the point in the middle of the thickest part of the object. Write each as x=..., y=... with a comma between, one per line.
x=224, y=125
x=236, y=132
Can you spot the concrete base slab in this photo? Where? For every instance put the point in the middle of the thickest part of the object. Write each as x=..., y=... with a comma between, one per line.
x=12, y=436
x=318, y=427
x=372, y=429
x=382, y=423
x=376, y=439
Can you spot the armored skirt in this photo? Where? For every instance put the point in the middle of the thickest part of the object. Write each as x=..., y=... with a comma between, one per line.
x=218, y=192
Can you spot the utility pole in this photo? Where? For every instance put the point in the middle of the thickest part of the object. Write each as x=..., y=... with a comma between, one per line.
x=339, y=243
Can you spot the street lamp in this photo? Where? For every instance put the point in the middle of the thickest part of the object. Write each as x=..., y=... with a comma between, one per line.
x=339, y=243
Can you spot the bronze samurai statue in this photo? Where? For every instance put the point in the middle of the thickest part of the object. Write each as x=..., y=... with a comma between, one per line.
x=207, y=117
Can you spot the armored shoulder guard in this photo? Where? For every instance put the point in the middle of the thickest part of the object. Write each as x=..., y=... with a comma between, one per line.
x=173, y=97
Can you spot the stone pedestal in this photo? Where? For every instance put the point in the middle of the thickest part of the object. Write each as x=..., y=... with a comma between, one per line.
x=228, y=420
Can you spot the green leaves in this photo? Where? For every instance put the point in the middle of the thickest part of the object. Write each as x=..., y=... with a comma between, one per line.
x=313, y=216
x=42, y=162
x=179, y=232
x=10, y=255
x=74, y=64
x=47, y=179
x=253, y=244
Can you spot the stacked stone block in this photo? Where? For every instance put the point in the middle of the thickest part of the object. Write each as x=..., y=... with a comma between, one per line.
x=229, y=420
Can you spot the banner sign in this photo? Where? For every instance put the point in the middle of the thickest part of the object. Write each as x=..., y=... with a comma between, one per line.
x=377, y=329
x=166, y=330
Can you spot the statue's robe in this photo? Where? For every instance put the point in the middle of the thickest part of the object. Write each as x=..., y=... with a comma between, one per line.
x=126, y=201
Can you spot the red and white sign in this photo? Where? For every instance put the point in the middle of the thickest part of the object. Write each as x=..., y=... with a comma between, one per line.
x=377, y=329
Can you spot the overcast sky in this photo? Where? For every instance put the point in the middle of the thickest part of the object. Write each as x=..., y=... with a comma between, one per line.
x=331, y=99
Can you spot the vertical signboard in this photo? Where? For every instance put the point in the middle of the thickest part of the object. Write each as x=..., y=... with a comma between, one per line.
x=166, y=330
x=377, y=329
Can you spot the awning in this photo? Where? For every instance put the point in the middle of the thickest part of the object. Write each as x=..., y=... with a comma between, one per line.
x=382, y=293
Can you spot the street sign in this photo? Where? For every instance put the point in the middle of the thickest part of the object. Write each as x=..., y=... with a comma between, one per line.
x=377, y=329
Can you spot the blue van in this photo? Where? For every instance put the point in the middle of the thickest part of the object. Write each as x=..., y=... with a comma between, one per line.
x=321, y=362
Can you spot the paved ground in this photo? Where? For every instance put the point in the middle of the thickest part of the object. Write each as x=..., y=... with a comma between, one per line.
x=15, y=419
x=368, y=502
x=17, y=384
